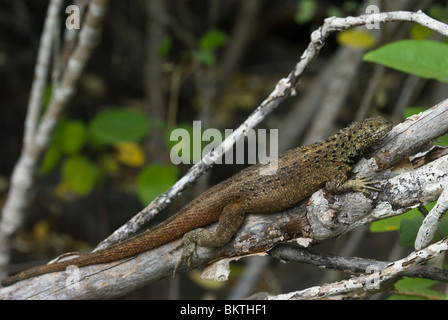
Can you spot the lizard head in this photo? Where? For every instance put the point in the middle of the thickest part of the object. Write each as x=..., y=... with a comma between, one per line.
x=357, y=138
x=369, y=132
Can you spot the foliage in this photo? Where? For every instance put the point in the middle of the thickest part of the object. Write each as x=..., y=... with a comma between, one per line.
x=418, y=32
x=305, y=11
x=192, y=143
x=416, y=289
x=165, y=46
x=118, y=125
x=425, y=58
x=207, y=44
x=356, y=38
x=154, y=180
x=79, y=174
x=408, y=225
x=308, y=9
x=85, y=153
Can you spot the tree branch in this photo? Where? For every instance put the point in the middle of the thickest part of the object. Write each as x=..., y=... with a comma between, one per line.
x=366, y=285
x=353, y=265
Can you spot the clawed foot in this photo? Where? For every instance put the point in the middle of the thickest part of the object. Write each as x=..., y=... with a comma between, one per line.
x=189, y=251
x=364, y=184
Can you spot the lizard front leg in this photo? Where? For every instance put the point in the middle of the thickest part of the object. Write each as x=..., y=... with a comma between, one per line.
x=229, y=222
x=339, y=183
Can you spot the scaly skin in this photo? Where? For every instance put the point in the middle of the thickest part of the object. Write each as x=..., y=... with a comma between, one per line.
x=301, y=172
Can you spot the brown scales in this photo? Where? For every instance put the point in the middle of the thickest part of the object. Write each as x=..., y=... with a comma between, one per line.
x=301, y=172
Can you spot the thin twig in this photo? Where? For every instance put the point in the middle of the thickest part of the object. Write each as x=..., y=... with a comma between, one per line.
x=370, y=283
x=431, y=221
x=38, y=137
x=22, y=177
x=352, y=265
x=41, y=70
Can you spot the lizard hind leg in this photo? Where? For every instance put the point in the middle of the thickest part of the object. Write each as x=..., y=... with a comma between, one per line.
x=230, y=220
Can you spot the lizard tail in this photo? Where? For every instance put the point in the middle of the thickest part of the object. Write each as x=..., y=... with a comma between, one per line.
x=175, y=227
x=102, y=256
x=128, y=248
x=36, y=271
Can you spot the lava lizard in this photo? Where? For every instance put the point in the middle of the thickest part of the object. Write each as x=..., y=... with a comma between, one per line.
x=300, y=173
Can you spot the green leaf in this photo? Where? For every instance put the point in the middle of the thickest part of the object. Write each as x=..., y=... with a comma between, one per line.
x=154, y=180
x=438, y=12
x=408, y=231
x=442, y=141
x=165, y=47
x=186, y=143
x=350, y=6
x=419, y=32
x=424, y=58
x=443, y=227
x=415, y=288
x=388, y=224
x=55, y=150
x=405, y=297
x=393, y=223
x=205, y=57
x=409, y=228
x=305, y=11
x=210, y=41
x=74, y=136
x=80, y=174
x=69, y=137
x=52, y=157
x=425, y=294
x=334, y=11
x=408, y=223
x=410, y=111
x=117, y=125
x=409, y=284
x=213, y=39
x=46, y=97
